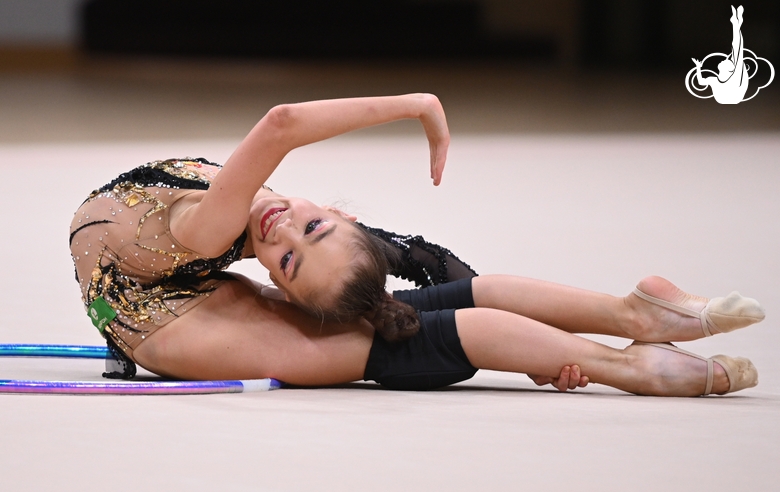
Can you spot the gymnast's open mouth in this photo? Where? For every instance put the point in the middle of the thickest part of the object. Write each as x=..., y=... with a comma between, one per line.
x=271, y=216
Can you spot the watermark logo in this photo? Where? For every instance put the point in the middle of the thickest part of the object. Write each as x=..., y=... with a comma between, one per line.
x=729, y=84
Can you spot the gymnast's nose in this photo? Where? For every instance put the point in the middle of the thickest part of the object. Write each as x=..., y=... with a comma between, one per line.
x=285, y=229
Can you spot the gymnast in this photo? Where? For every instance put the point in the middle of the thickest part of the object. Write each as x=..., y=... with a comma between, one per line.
x=150, y=249
x=731, y=84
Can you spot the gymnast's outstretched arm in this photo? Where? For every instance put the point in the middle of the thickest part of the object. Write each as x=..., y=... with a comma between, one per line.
x=703, y=81
x=417, y=260
x=211, y=225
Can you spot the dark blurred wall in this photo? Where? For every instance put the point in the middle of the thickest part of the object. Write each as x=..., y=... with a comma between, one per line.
x=667, y=33
x=589, y=33
x=303, y=29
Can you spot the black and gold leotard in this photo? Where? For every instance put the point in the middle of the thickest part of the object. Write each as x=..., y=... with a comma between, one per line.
x=134, y=275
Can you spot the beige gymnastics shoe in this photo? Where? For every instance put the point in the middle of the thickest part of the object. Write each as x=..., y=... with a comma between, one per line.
x=741, y=372
x=720, y=315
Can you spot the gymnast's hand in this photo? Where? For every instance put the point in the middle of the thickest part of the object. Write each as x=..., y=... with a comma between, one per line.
x=570, y=378
x=435, y=124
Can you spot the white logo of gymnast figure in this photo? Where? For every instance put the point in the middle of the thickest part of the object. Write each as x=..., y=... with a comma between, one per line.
x=730, y=84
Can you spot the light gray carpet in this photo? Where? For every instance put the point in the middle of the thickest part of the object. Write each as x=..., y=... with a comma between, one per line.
x=598, y=212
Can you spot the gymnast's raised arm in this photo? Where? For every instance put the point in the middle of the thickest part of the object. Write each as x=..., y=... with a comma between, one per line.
x=211, y=225
x=703, y=81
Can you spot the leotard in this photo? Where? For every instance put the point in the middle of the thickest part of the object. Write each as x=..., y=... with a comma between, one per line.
x=127, y=259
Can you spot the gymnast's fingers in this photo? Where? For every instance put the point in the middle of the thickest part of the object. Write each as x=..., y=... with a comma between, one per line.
x=577, y=379
x=435, y=125
x=438, y=159
x=562, y=382
x=574, y=380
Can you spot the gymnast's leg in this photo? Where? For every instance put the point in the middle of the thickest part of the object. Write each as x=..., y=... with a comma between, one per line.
x=238, y=334
x=503, y=341
x=737, y=42
x=582, y=311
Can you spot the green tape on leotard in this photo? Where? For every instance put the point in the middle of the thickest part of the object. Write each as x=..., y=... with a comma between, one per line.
x=100, y=313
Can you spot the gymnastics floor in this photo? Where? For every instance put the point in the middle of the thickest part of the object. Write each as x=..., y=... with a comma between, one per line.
x=598, y=210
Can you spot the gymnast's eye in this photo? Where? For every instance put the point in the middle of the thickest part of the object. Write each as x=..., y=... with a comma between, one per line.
x=285, y=260
x=312, y=226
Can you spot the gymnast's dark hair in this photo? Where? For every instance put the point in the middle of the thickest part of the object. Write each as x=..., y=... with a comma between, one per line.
x=363, y=294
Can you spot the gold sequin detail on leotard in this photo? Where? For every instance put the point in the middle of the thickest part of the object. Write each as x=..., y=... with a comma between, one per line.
x=124, y=252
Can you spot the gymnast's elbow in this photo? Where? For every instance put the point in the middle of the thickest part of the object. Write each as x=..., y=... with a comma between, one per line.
x=281, y=118
x=278, y=124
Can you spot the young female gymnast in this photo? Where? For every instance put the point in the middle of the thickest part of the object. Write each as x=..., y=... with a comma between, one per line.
x=151, y=246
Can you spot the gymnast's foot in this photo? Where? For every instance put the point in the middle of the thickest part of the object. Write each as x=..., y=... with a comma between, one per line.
x=736, y=15
x=661, y=312
x=668, y=372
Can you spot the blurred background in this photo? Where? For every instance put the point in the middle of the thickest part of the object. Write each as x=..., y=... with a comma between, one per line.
x=118, y=70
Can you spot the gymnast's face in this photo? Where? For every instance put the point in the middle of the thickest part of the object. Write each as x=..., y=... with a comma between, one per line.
x=305, y=247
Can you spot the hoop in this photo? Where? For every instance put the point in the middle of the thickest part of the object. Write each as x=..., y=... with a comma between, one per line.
x=115, y=387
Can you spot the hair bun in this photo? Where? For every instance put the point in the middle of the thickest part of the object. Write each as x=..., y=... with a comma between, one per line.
x=394, y=320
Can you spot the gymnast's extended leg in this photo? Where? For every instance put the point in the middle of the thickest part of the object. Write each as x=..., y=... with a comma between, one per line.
x=238, y=334
x=503, y=341
x=581, y=311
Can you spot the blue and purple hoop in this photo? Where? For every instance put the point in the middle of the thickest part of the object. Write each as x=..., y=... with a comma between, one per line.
x=115, y=387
